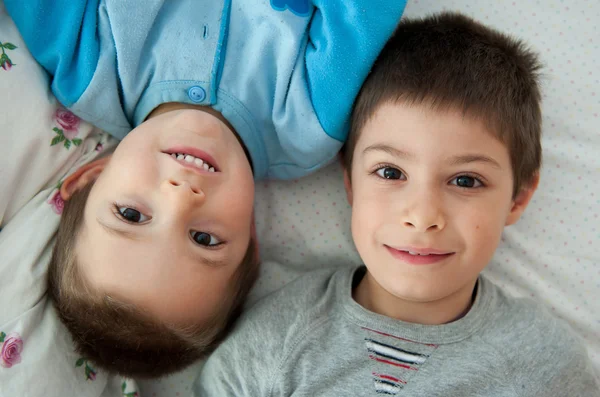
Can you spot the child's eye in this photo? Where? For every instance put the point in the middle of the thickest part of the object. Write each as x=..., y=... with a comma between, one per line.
x=390, y=173
x=132, y=215
x=466, y=181
x=205, y=239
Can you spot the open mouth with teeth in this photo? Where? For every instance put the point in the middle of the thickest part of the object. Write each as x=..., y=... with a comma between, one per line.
x=416, y=253
x=419, y=256
x=194, y=161
x=413, y=253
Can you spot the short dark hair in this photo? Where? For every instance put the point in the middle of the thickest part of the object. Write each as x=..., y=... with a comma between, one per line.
x=448, y=61
x=119, y=337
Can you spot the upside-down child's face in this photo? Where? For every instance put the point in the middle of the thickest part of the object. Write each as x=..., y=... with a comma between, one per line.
x=431, y=192
x=166, y=231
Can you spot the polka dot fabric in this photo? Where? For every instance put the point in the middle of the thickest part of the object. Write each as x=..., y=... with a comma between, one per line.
x=551, y=254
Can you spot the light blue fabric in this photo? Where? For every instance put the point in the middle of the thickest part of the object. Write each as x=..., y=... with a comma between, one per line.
x=64, y=42
x=284, y=73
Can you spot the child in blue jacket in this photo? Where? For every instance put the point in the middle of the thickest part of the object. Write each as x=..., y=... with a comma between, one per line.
x=156, y=249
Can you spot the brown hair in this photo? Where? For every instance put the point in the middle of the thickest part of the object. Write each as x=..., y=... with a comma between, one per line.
x=119, y=337
x=451, y=61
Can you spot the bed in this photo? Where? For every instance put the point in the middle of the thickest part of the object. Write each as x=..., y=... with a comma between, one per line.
x=551, y=254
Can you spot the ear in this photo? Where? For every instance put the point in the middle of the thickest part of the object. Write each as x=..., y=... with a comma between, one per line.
x=80, y=178
x=522, y=200
x=348, y=186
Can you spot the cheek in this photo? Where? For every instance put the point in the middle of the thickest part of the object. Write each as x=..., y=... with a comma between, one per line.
x=236, y=199
x=135, y=163
x=132, y=174
x=482, y=229
x=371, y=209
x=141, y=140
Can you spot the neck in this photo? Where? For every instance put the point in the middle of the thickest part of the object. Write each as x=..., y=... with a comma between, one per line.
x=370, y=295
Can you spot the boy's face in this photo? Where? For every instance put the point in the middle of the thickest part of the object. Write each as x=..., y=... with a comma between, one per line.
x=429, y=182
x=167, y=234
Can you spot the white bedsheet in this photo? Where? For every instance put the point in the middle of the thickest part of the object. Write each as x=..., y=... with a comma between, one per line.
x=551, y=254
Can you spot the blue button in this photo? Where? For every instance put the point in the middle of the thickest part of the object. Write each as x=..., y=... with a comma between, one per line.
x=197, y=94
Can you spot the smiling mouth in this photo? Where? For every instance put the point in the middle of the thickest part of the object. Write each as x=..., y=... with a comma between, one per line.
x=420, y=251
x=417, y=256
x=414, y=253
x=192, y=160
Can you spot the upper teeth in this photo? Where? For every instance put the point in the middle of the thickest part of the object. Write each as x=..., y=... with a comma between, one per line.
x=416, y=253
x=188, y=158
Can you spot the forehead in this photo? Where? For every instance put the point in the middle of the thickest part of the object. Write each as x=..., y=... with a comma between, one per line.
x=423, y=128
x=164, y=282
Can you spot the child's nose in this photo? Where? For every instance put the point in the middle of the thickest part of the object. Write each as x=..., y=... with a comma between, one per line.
x=424, y=215
x=424, y=225
x=185, y=185
x=183, y=192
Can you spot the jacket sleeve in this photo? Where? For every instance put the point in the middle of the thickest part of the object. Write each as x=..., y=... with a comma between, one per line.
x=61, y=35
x=345, y=38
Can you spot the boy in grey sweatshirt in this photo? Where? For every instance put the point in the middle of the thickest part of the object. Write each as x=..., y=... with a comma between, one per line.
x=444, y=152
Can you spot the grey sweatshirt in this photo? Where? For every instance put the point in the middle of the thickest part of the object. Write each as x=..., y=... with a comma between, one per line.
x=312, y=339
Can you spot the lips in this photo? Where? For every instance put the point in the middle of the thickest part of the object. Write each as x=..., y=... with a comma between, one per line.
x=419, y=256
x=194, y=157
x=188, y=159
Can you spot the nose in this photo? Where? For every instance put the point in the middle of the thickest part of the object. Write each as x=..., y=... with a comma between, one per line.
x=183, y=193
x=424, y=213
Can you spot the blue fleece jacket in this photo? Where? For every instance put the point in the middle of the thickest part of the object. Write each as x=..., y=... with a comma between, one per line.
x=283, y=72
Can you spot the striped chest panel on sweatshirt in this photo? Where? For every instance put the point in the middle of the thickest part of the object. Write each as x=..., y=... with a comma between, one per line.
x=394, y=360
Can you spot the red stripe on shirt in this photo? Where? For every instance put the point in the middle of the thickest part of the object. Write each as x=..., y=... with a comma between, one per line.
x=381, y=360
x=388, y=377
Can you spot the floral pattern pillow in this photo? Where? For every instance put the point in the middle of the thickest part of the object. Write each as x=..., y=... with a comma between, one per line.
x=10, y=349
x=47, y=142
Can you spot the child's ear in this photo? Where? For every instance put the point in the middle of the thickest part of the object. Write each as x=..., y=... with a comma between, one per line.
x=522, y=200
x=80, y=178
x=348, y=186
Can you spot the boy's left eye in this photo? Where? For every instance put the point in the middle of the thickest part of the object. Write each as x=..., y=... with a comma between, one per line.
x=204, y=239
x=466, y=181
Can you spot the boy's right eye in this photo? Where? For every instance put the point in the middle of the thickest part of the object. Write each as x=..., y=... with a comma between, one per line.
x=131, y=215
x=390, y=173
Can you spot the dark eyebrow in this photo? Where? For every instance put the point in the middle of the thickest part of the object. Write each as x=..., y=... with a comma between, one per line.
x=381, y=147
x=134, y=236
x=458, y=160
x=474, y=158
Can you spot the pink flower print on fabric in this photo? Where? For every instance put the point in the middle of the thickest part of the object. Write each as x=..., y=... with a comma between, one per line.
x=56, y=202
x=90, y=372
x=10, y=352
x=68, y=122
x=6, y=64
x=5, y=61
x=67, y=130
